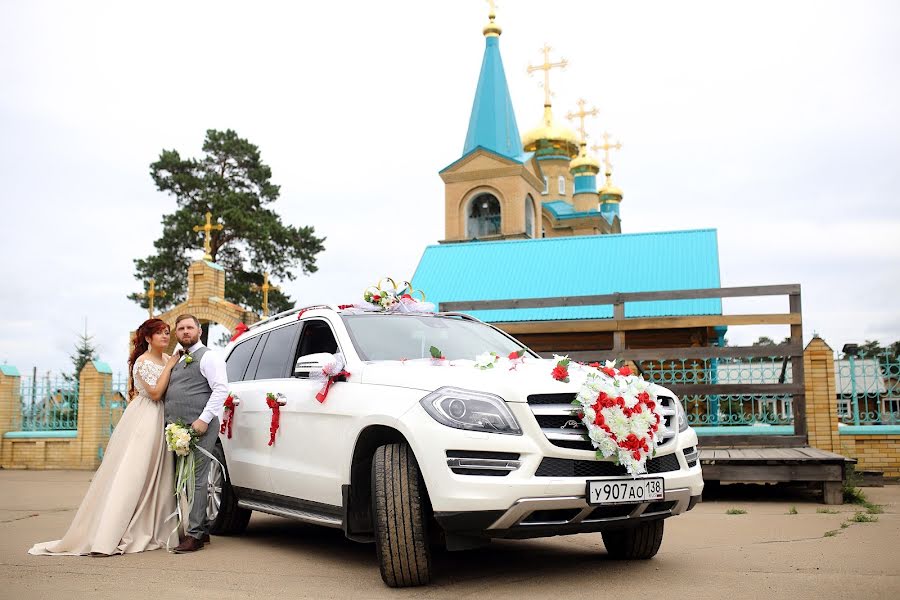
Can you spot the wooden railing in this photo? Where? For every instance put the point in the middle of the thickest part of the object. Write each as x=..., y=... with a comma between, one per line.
x=620, y=326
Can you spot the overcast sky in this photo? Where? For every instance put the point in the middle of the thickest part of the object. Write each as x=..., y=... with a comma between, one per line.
x=776, y=123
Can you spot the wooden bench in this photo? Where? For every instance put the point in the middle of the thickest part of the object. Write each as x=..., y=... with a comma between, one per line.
x=757, y=465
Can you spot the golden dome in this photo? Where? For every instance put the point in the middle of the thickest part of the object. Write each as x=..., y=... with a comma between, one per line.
x=492, y=29
x=550, y=139
x=584, y=162
x=609, y=192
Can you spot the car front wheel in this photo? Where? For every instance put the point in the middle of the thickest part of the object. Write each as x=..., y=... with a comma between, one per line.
x=637, y=543
x=401, y=539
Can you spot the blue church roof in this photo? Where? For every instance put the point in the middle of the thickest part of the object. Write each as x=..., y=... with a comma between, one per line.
x=492, y=124
x=575, y=266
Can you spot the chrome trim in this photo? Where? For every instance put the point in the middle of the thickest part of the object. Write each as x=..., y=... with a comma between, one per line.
x=523, y=508
x=554, y=433
x=292, y=513
x=554, y=409
x=486, y=464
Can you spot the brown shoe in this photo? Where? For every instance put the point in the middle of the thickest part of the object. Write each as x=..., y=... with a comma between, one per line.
x=205, y=538
x=190, y=544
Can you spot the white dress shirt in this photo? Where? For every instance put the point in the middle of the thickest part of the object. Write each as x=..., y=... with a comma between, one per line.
x=212, y=366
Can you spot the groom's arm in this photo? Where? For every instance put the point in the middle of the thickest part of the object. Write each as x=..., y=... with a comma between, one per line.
x=212, y=366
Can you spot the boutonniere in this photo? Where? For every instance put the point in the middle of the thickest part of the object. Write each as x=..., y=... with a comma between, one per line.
x=188, y=359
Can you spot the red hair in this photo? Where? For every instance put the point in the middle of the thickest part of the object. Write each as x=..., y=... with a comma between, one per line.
x=140, y=345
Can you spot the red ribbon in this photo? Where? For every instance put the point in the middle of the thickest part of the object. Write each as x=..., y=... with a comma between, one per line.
x=272, y=401
x=241, y=328
x=229, y=416
x=323, y=393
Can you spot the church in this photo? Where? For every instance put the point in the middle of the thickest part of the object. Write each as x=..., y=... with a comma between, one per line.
x=524, y=218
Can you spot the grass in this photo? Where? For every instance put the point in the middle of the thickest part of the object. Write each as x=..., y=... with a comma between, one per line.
x=862, y=517
x=832, y=533
x=873, y=509
x=793, y=511
x=827, y=511
x=852, y=494
x=845, y=524
x=735, y=511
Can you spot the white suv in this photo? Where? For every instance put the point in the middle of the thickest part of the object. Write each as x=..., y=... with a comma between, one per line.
x=408, y=451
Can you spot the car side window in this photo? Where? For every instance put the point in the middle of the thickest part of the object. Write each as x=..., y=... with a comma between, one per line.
x=316, y=337
x=276, y=355
x=254, y=360
x=237, y=361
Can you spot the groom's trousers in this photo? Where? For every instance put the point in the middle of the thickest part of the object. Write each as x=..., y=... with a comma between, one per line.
x=198, y=524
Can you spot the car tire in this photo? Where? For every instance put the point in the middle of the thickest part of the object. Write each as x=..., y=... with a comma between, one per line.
x=399, y=513
x=636, y=543
x=229, y=518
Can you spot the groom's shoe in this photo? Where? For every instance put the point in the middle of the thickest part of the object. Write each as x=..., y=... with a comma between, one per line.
x=205, y=538
x=190, y=544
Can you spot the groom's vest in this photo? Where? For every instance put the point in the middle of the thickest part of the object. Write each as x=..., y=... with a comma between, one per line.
x=188, y=390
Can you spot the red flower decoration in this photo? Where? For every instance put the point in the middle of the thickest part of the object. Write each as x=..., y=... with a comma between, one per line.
x=625, y=371
x=608, y=371
x=275, y=405
x=560, y=373
x=241, y=328
x=228, y=418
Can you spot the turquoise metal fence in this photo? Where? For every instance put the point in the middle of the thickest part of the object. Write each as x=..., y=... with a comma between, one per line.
x=868, y=390
x=113, y=401
x=48, y=403
x=729, y=410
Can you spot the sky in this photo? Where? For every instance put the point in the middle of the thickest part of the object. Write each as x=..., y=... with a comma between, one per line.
x=775, y=123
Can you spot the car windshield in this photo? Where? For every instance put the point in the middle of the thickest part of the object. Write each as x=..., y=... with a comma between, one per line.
x=399, y=337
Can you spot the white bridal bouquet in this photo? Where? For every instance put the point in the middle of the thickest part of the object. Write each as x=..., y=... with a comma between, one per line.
x=182, y=439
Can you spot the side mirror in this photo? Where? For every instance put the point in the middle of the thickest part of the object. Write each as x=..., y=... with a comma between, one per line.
x=312, y=364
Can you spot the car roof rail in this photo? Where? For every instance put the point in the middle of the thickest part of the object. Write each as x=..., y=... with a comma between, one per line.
x=286, y=313
x=464, y=316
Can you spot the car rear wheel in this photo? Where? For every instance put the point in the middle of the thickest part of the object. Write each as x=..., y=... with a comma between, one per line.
x=637, y=543
x=225, y=516
x=401, y=539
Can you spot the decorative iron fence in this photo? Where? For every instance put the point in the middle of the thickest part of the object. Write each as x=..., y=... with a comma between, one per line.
x=728, y=409
x=47, y=403
x=113, y=401
x=868, y=390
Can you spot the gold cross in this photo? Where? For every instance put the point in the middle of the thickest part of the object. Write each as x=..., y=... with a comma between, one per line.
x=207, y=246
x=493, y=9
x=581, y=114
x=152, y=293
x=562, y=64
x=264, y=288
x=606, y=147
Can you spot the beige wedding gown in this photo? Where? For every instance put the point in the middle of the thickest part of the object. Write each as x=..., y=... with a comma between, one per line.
x=132, y=493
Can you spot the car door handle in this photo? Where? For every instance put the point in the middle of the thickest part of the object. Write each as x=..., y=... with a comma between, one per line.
x=281, y=399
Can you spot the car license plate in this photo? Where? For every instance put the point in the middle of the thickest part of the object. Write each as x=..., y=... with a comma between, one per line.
x=622, y=491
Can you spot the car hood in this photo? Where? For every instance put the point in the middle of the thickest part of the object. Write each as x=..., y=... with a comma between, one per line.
x=531, y=377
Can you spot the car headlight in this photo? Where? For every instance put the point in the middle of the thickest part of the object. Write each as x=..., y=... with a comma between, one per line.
x=682, y=416
x=467, y=409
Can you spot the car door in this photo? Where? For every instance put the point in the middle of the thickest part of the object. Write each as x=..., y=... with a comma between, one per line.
x=247, y=451
x=313, y=443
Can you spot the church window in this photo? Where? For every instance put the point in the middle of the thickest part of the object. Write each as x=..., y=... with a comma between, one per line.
x=483, y=216
x=546, y=185
x=529, y=216
x=562, y=185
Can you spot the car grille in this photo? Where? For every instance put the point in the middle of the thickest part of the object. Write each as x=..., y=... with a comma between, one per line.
x=563, y=467
x=556, y=415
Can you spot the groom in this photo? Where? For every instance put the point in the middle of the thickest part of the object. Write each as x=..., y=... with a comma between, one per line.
x=196, y=394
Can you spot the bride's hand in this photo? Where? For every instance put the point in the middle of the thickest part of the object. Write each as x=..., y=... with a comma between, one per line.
x=173, y=360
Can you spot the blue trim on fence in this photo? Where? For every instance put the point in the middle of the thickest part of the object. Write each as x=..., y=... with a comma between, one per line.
x=9, y=371
x=102, y=367
x=869, y=429
x=744, y=430
x=68, y=433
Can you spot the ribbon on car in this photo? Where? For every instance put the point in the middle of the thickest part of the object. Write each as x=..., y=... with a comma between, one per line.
x=228, y=418
x=275, y=404
x=329, y=379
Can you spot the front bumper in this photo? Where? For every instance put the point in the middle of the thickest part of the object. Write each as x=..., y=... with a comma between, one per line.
x=562, y=515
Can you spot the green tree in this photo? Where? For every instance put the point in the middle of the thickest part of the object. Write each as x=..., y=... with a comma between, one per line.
x=230, y=181
x=870, y=349
x=85, y=351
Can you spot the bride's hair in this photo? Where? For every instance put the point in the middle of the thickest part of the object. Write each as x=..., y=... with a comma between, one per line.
x=139, y=345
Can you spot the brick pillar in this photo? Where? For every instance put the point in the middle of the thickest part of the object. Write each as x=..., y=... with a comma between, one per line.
x=10, y=408
x=94, y=396
x=821, y=396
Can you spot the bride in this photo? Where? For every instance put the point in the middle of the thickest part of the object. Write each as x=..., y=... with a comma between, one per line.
x=132, y=493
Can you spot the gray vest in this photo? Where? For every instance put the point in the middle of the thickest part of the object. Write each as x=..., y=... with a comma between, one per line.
x=188, y=390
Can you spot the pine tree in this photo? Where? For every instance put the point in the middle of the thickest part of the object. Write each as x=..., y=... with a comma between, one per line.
x=85, y=351
x=230, y=181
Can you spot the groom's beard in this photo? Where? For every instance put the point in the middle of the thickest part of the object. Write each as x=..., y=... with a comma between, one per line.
x=188, y=342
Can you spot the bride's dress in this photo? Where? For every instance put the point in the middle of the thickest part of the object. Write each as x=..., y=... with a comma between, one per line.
x=132, y=493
